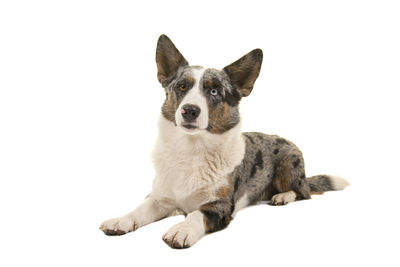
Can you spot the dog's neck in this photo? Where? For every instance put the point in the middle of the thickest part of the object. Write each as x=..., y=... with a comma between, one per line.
x=173, y=142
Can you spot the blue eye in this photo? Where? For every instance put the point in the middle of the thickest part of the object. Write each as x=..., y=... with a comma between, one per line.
x=214, y=92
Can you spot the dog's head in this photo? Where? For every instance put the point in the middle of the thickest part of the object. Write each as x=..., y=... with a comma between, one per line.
x=200, y=99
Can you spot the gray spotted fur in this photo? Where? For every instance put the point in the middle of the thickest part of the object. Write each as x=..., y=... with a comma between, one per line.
x=273, y=165
x=255, y=176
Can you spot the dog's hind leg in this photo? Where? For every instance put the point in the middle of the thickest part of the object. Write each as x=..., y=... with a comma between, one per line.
x=290, y=180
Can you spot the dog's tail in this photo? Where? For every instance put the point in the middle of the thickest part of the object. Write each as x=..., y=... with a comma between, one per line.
x=322, y=183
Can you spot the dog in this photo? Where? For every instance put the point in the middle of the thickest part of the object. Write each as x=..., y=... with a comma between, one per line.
x=205, y=167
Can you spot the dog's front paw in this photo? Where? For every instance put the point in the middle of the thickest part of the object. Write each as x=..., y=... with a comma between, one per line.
x=182, y=235
x=119, y=226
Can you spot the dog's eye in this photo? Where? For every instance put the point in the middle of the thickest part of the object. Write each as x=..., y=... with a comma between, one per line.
x=214, y=92
x=182, y=87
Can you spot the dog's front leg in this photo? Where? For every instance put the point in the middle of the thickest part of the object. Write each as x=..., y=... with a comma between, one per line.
x=210, y=217
x=149, y=211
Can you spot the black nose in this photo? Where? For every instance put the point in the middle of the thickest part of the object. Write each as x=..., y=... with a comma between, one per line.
x=190, y=112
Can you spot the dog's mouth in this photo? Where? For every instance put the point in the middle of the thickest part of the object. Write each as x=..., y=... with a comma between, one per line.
x=189, y=126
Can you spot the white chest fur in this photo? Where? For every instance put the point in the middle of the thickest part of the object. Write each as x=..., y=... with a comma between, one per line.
x=190, y=168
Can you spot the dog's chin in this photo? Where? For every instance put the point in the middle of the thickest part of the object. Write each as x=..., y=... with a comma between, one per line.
x=190, y=129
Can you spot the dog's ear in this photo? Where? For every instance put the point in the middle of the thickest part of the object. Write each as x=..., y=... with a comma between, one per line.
x=244, y=72
x=168, y=59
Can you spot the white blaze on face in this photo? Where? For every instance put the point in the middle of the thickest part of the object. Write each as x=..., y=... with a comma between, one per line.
x=194, y=97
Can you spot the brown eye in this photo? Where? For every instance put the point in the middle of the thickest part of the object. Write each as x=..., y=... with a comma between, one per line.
x=182, y=87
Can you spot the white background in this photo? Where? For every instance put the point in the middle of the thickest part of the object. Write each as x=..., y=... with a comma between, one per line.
x=79, y=102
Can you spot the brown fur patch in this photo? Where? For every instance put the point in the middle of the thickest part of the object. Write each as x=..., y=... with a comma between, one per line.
x=211, y=82
x=170, y=106
x=283, y=175
x=283, y=181
x=224, y=192
x=208, y=83
x=219, y=118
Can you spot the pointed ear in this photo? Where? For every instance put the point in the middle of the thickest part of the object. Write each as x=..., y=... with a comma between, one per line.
x=244, y=72
x=168, y=59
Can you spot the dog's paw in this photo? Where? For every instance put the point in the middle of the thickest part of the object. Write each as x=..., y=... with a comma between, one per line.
x=182, y=235
x=283, y=198
x=119, y=226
